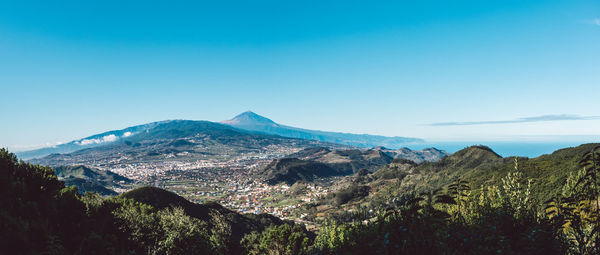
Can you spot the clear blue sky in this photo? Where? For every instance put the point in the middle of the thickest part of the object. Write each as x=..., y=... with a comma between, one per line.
x=445, y=70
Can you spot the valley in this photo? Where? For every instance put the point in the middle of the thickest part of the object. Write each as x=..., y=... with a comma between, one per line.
x=243, y=170
x=259, y=179
x=300, y=127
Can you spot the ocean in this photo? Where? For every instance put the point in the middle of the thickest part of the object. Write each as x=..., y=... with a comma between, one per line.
x=529, y=149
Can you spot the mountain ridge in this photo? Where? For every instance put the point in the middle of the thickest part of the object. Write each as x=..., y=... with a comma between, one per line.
x=195, y=142
x=254, y=122
x=89, y=141
x=247, y=121
x=90, y=179
x=480, y=166
x=311, y=163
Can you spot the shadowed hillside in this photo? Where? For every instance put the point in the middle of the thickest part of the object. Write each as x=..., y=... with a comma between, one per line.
x=479, y=166
x=290, y=170
x=317, y=162
x=240, y=224
x=91, y=180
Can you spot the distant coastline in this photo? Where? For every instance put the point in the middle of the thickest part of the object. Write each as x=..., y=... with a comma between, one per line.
x=529, y=149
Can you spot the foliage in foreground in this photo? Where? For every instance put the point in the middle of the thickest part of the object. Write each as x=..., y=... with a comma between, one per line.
x=451, y=221
x=502, y=219
x=39, y=215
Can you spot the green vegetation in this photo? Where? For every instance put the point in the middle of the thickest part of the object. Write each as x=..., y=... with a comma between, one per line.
x=354, y=191
x=282, y=239
x=473, y=202
x=39, y=215
x=480, y=167
x=91, y=180
x=290, y=170
x=315, y=162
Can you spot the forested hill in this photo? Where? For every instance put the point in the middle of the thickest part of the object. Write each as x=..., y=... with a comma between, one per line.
x=90, y=179
x=39, y=215
x=473, y=202
x=315, y=162
x=481, y=166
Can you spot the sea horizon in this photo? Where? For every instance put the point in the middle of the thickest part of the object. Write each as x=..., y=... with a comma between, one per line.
x=530, y=149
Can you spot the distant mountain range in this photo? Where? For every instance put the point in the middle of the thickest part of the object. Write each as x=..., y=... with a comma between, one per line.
x=247, y=123
x=311, y=163
x=176, y=140
x=90, y=141
x=428, y=154
x=254, y=122
x=478, y=165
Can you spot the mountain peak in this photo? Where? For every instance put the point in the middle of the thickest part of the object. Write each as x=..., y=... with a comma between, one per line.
x=253, y=122
x=249, y=118
x=249, y=114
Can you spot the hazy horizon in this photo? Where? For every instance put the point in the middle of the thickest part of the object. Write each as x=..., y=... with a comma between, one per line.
x=526, y=146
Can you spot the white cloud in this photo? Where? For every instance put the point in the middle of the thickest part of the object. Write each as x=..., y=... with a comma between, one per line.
x=54, y=144
x=88, y=141
x=20, y=147
x=126, y=134
x=551, y=117
x=108, y=138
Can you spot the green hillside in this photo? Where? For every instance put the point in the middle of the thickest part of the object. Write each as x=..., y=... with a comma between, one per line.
x=290, y=170
x=315, y=162
x=91, y=180
x=480, y=166
x=80, y=171
x=239, y=225
x=473, y=202
x=39, y=215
